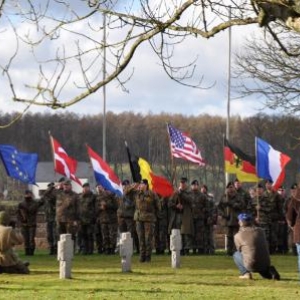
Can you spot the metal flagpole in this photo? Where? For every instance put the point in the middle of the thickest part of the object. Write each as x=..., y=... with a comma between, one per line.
x=104, y=89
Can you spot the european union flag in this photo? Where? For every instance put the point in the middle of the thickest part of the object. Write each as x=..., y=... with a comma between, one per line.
x=19, y=165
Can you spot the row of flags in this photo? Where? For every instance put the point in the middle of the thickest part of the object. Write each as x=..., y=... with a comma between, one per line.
x=22, y=166
x=268, y=163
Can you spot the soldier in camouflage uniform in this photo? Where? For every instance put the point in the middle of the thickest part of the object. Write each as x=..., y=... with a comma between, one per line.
x=67, y=211
x=245, y=195
x=161, y=226
x=50, y=214
x=210, y=221
x=126, y=210
x=146, y=207
x=181, y=217
x=276, y=214
x=107, y=205
x=27, y=213
x=87, y=219
x=229, y=207
x=282, y=235
x=199, y=211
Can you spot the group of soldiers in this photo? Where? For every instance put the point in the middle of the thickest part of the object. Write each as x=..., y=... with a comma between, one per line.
x=267, y=206
x=96, y=219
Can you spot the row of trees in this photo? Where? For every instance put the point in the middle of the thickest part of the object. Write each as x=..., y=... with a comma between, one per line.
x=147, y=137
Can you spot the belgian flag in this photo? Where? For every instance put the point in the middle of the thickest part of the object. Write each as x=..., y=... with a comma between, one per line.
x=239, y=163
x=140, y=169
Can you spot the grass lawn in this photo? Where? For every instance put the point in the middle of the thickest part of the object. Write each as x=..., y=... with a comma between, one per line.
x=100, y=277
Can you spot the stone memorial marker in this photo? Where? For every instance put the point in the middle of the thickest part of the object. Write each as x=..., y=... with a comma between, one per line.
x=126, y=251
x=175, y=247
x=65, y=253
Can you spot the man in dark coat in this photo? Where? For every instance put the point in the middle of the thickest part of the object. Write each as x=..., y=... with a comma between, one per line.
x=252, y=253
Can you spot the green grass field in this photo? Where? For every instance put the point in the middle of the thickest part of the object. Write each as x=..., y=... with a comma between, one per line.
x=100, y=277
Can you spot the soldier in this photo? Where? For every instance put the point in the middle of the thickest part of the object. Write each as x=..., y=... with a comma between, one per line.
x=161, y=226
x=229, y=207
x=276, y=214
x=210, y=221
x=50, y=213
x=126, y=210
x=67, y=211
x=27, y=214
x=199, y=212
x=245, y=195
x=107, y=206
x=146, y=207
x=282, y=234
x=9, y=237
x=181, y=217
x=87, y=219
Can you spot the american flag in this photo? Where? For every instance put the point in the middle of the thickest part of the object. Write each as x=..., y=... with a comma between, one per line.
x=182, y=146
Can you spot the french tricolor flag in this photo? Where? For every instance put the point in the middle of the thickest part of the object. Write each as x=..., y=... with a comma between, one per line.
x=104, y=175
x=270, y=163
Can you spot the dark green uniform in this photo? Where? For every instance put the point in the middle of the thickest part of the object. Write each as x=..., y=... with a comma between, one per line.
x=161, y=226
x=210, y=222
x=87, y=221
x=27, y=213
x=146, y=207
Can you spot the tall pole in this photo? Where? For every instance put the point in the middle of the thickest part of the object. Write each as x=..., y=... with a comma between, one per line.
x=228, y=87
x=104, y=89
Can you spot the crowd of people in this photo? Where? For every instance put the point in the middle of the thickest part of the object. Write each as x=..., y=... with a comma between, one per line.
x=95, y=219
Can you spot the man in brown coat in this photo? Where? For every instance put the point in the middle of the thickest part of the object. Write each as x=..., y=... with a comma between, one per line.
x=293, y=221
x=9, y=261
x=252, y=253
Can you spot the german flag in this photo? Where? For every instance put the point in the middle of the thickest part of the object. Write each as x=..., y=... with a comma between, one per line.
x=239, y=163
x=140, y=169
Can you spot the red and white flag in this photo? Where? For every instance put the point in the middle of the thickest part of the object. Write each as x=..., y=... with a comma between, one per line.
x=182, y=146
x=63, y=163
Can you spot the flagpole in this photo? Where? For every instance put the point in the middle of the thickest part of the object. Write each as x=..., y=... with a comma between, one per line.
x=173, y=166
x=52, y=147
x=257, y=198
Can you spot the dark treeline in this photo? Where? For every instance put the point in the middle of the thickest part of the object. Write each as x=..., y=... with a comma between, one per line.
x=147, y=137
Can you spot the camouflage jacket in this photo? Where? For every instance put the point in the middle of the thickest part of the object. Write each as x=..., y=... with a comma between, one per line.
x=67, y=206
x=27, y=211
x=87, y=208
x=107, y=205
x=276, y=204
x=199, y=205
x=146, y=206
x=126, y=205
x=229, y=208
x=50, y=203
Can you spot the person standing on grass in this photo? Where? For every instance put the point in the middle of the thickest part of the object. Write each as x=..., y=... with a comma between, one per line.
x=293, y=221
x=252, y=253
x=9, y=237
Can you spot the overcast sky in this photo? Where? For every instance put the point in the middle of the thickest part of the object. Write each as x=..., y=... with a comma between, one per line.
x=151, y=90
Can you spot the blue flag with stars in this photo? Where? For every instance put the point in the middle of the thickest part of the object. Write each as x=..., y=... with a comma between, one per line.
x=19, y=165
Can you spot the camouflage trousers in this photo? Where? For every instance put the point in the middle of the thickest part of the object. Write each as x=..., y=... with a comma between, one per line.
x=230, y=231
x=199, y=235
x=28, y=233
x=109, y=235
x=98, y=238
x=271, y=230
x=161, y=235
x=86, y=241
x=145, y=231
x=52, y=234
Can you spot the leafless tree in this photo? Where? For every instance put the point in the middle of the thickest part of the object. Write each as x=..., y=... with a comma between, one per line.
x=64, y=41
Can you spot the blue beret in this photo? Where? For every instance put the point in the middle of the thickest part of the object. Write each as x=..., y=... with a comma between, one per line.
x=245, y=217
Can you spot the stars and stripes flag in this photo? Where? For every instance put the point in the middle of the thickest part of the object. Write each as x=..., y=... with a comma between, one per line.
x=182, y=146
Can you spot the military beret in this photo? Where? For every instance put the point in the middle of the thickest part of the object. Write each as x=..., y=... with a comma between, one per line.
x=144, y=181
x=236, y=180
x=294, y=186
x=125, y=182
x=195, y=182
x=245, y=217
x=85, y=184
x=62, y=179
x=269, y=181
x=67, y=182
x=259, y=185
x=230, y=183
x=183, y=179
x=50, y=184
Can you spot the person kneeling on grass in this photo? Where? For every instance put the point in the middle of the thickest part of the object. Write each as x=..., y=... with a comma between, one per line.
x=252, y=253
x=9, y=237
